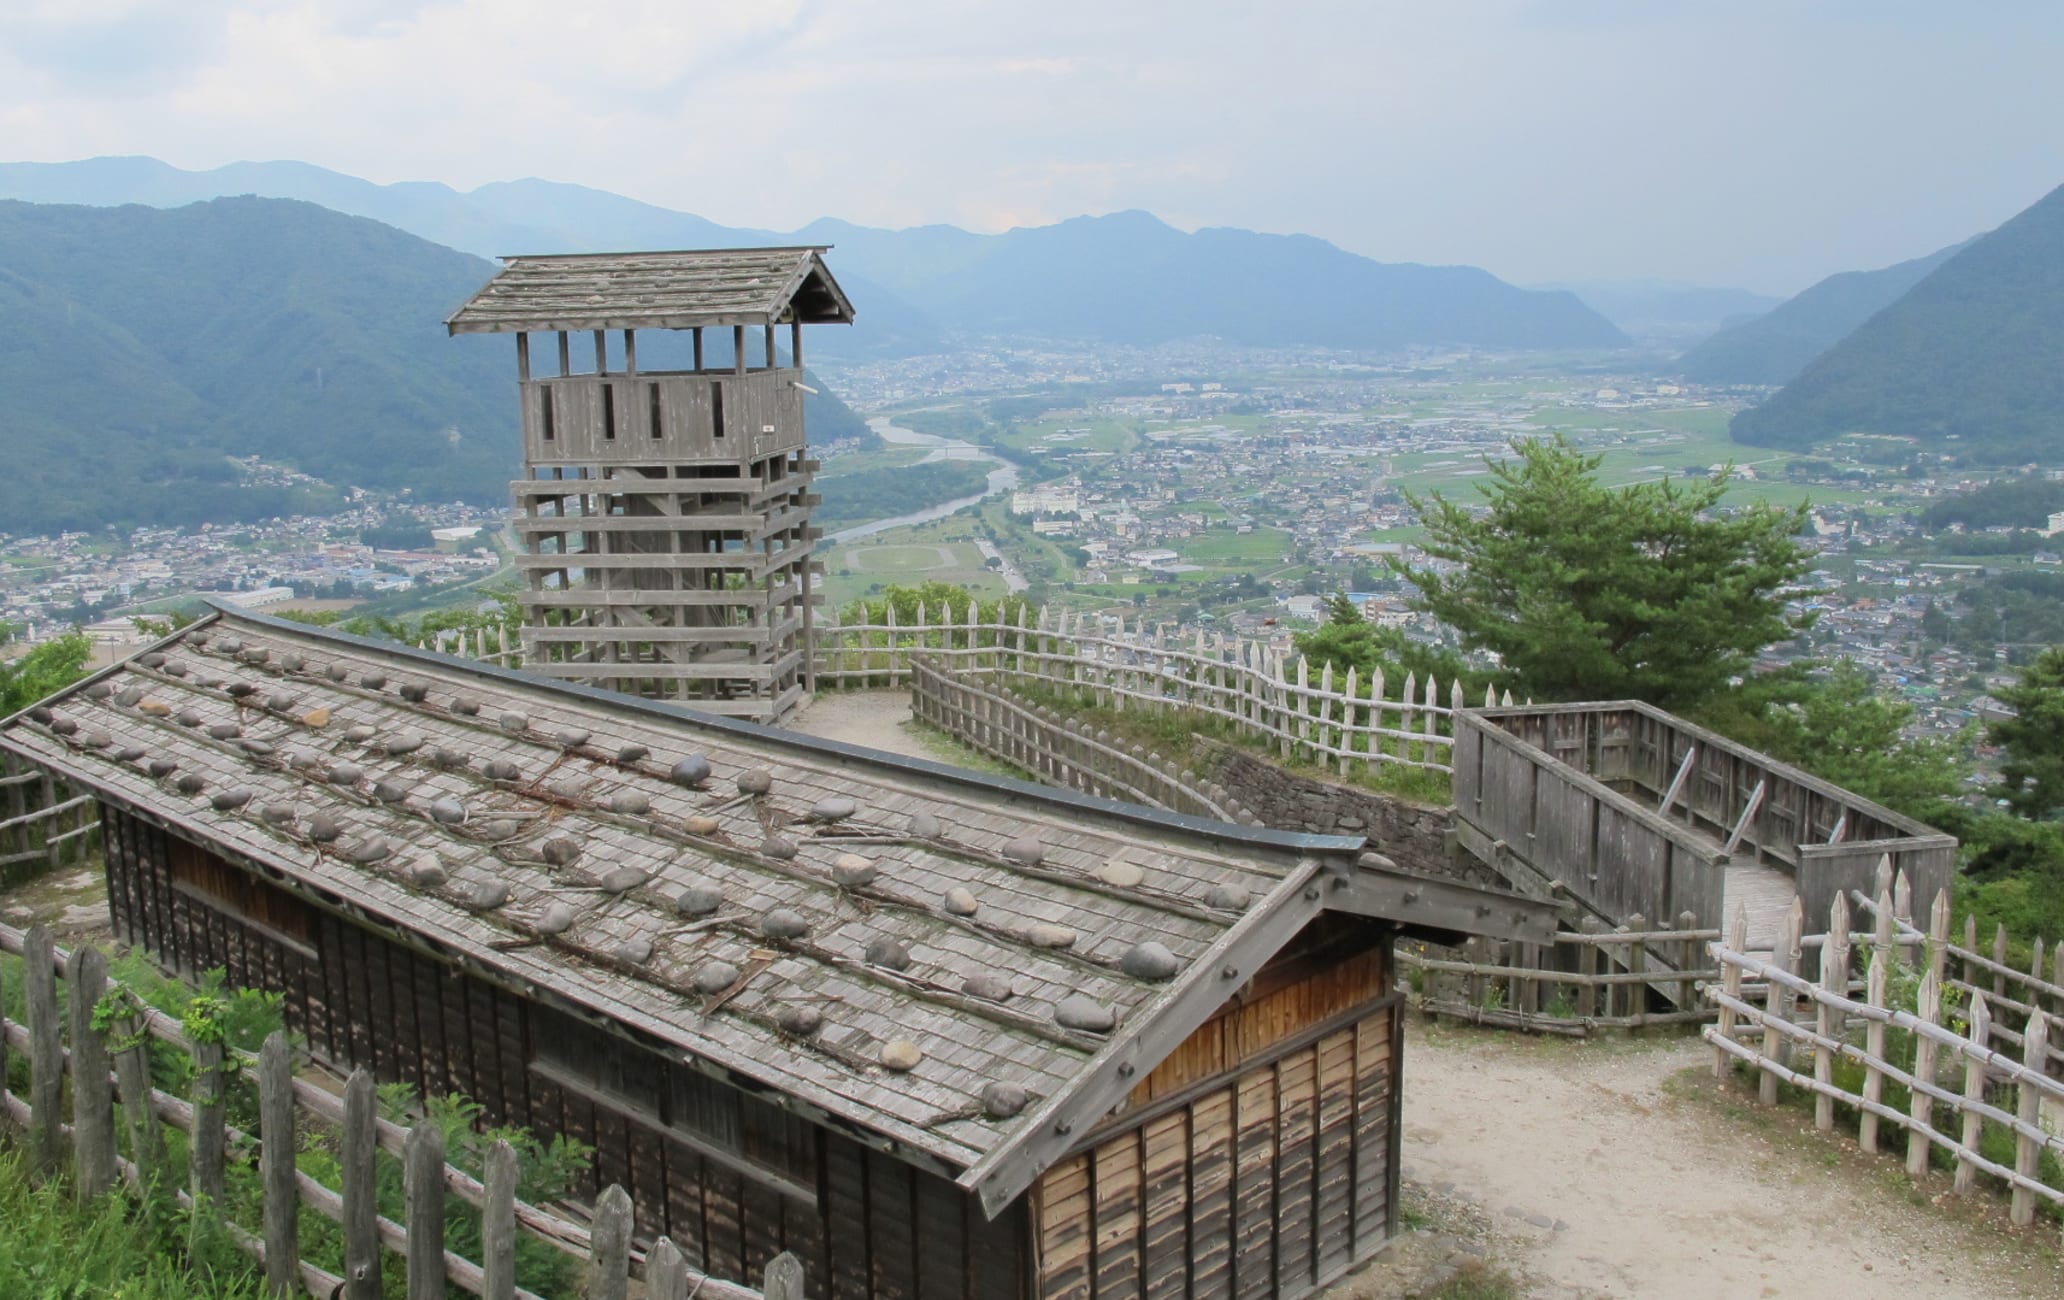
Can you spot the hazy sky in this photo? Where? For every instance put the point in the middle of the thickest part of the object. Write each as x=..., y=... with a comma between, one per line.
x=1745, y=143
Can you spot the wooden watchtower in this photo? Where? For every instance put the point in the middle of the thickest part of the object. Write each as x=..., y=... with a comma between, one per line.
x=665, y=513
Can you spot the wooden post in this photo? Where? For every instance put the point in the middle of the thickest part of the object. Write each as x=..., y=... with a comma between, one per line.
x=1730, y=982
x=1974, y=1091
x=610, y=1252
x=361, y=1190
x=46, y=1052
x=276, y=1166
x=1687, y=963
x=132, y=1071
x=666, y=1271
x=2035, y=1054
x=208, y=1136
x=1637, y=964
x=1873, y=1047
x=1774, y=1006
x=1587, y=966
x=1938, y=938
x=93, y=1109
x=423, y=1185
x=498, y=1225
x=1929, y=1008
x=1999, y=955
x=783, y=1279
x=1831, y=977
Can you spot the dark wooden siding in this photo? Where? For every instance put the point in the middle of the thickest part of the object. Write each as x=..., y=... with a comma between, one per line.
x=1258, y=1159
x=732, y=1178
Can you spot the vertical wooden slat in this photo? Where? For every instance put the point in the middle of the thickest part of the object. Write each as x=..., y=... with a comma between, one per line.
x=46, y=1047
x=361, y=1190
x=609, y=1259
x=1165, y=1147
x=1296, y=1114
x=1254, y=1190
x=498, y=1224
x=276, y=1165
x=1063, y=1224
x=423, y=1187
x=93, y=1115
x=1211, y=1195
x=1333, y=1197
x=1116, y=1176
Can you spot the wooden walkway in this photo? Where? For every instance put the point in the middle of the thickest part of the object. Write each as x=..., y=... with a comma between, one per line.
x=1767, y=892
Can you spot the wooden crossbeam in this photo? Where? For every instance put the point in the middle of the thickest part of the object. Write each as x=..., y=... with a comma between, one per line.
x=1741, y=824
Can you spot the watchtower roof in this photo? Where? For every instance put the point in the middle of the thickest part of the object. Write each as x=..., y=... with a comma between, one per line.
x=678, y=290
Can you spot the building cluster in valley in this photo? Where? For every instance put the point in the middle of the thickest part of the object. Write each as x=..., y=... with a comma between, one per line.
x=52, y=583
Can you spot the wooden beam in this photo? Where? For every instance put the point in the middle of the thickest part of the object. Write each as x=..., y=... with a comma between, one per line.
x=630, y=352
x=1431, y=903
x=565, y=354
x=1841, y=828
x=1677, y=782
x=523, y=358
x=698, y=347
x=738, y=349
x=601, y=352
x=1748, y=814
x=1060, y=1122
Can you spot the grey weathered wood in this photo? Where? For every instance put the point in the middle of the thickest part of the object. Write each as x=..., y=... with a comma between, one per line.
x=46, y=1051
x=2035, y=1042
x=783, y=1279
x=93, y=1103
x=423, y=1182
x=498, y=1224
x=276, y=1164
x=208, y=1138
x=361, y=1190
x=1730, y=984
x=609, y=1264
x=1980, y=1029
x=1929, y=1007
x=1874, y=1047
x=132, y=1071
x=666, y=1271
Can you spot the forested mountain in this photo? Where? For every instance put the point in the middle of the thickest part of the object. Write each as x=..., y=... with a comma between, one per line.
x=1124, y=278
x=1965, y=363
x=141, y=348
x=1774, y=347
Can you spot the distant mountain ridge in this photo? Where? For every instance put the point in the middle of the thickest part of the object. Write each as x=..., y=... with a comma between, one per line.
x=1125, y=278
x=145, y=347
x=1773, y=348
x=1966, y=362
x=1664, y=313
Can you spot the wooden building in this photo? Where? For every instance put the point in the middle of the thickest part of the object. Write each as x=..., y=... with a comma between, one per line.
x=940, y=1034
x=665, y=513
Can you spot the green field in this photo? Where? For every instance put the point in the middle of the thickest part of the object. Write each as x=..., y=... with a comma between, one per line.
x=1224, y=548
x=940, y=551
x=1060, y=437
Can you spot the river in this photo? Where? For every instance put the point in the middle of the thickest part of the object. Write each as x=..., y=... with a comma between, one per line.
x=1003, y=477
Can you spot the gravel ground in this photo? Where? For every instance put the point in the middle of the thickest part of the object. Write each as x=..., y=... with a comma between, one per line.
x=1620, y=1169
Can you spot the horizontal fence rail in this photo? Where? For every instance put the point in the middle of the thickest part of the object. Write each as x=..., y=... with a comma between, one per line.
x=1912, y=1029
x=1632, y=977
x=1342, y=720
x=988, y=716
x=106, y=1059
x=43, y=824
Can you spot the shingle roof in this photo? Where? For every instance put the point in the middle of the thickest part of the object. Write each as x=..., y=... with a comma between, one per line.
x=547, y=834
x=678, y=290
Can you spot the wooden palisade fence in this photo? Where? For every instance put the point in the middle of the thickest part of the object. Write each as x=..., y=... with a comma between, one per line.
x=43, y=823
x=122, y=1042
x=1792, y=1024
x=1336, y=719
x=1588, y=979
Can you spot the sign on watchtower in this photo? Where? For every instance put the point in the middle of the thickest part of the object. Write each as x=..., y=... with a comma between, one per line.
x=665, y=513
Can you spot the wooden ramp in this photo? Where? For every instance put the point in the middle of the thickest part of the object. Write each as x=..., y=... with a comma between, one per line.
x=1767, y=893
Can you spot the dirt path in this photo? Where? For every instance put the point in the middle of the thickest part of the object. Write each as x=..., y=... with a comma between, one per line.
x=1607, y=1170
x=877, y=719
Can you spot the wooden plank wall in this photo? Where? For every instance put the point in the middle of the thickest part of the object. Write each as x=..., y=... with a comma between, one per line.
x=361, y=999
x=1271, y=1184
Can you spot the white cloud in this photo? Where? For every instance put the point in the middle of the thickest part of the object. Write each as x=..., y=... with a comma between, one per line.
x=1760, y=142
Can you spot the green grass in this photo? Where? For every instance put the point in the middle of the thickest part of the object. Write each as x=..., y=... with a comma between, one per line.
x=1224, y=548
x=859, y=462
x=52, y=1248
x=1056, y=436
